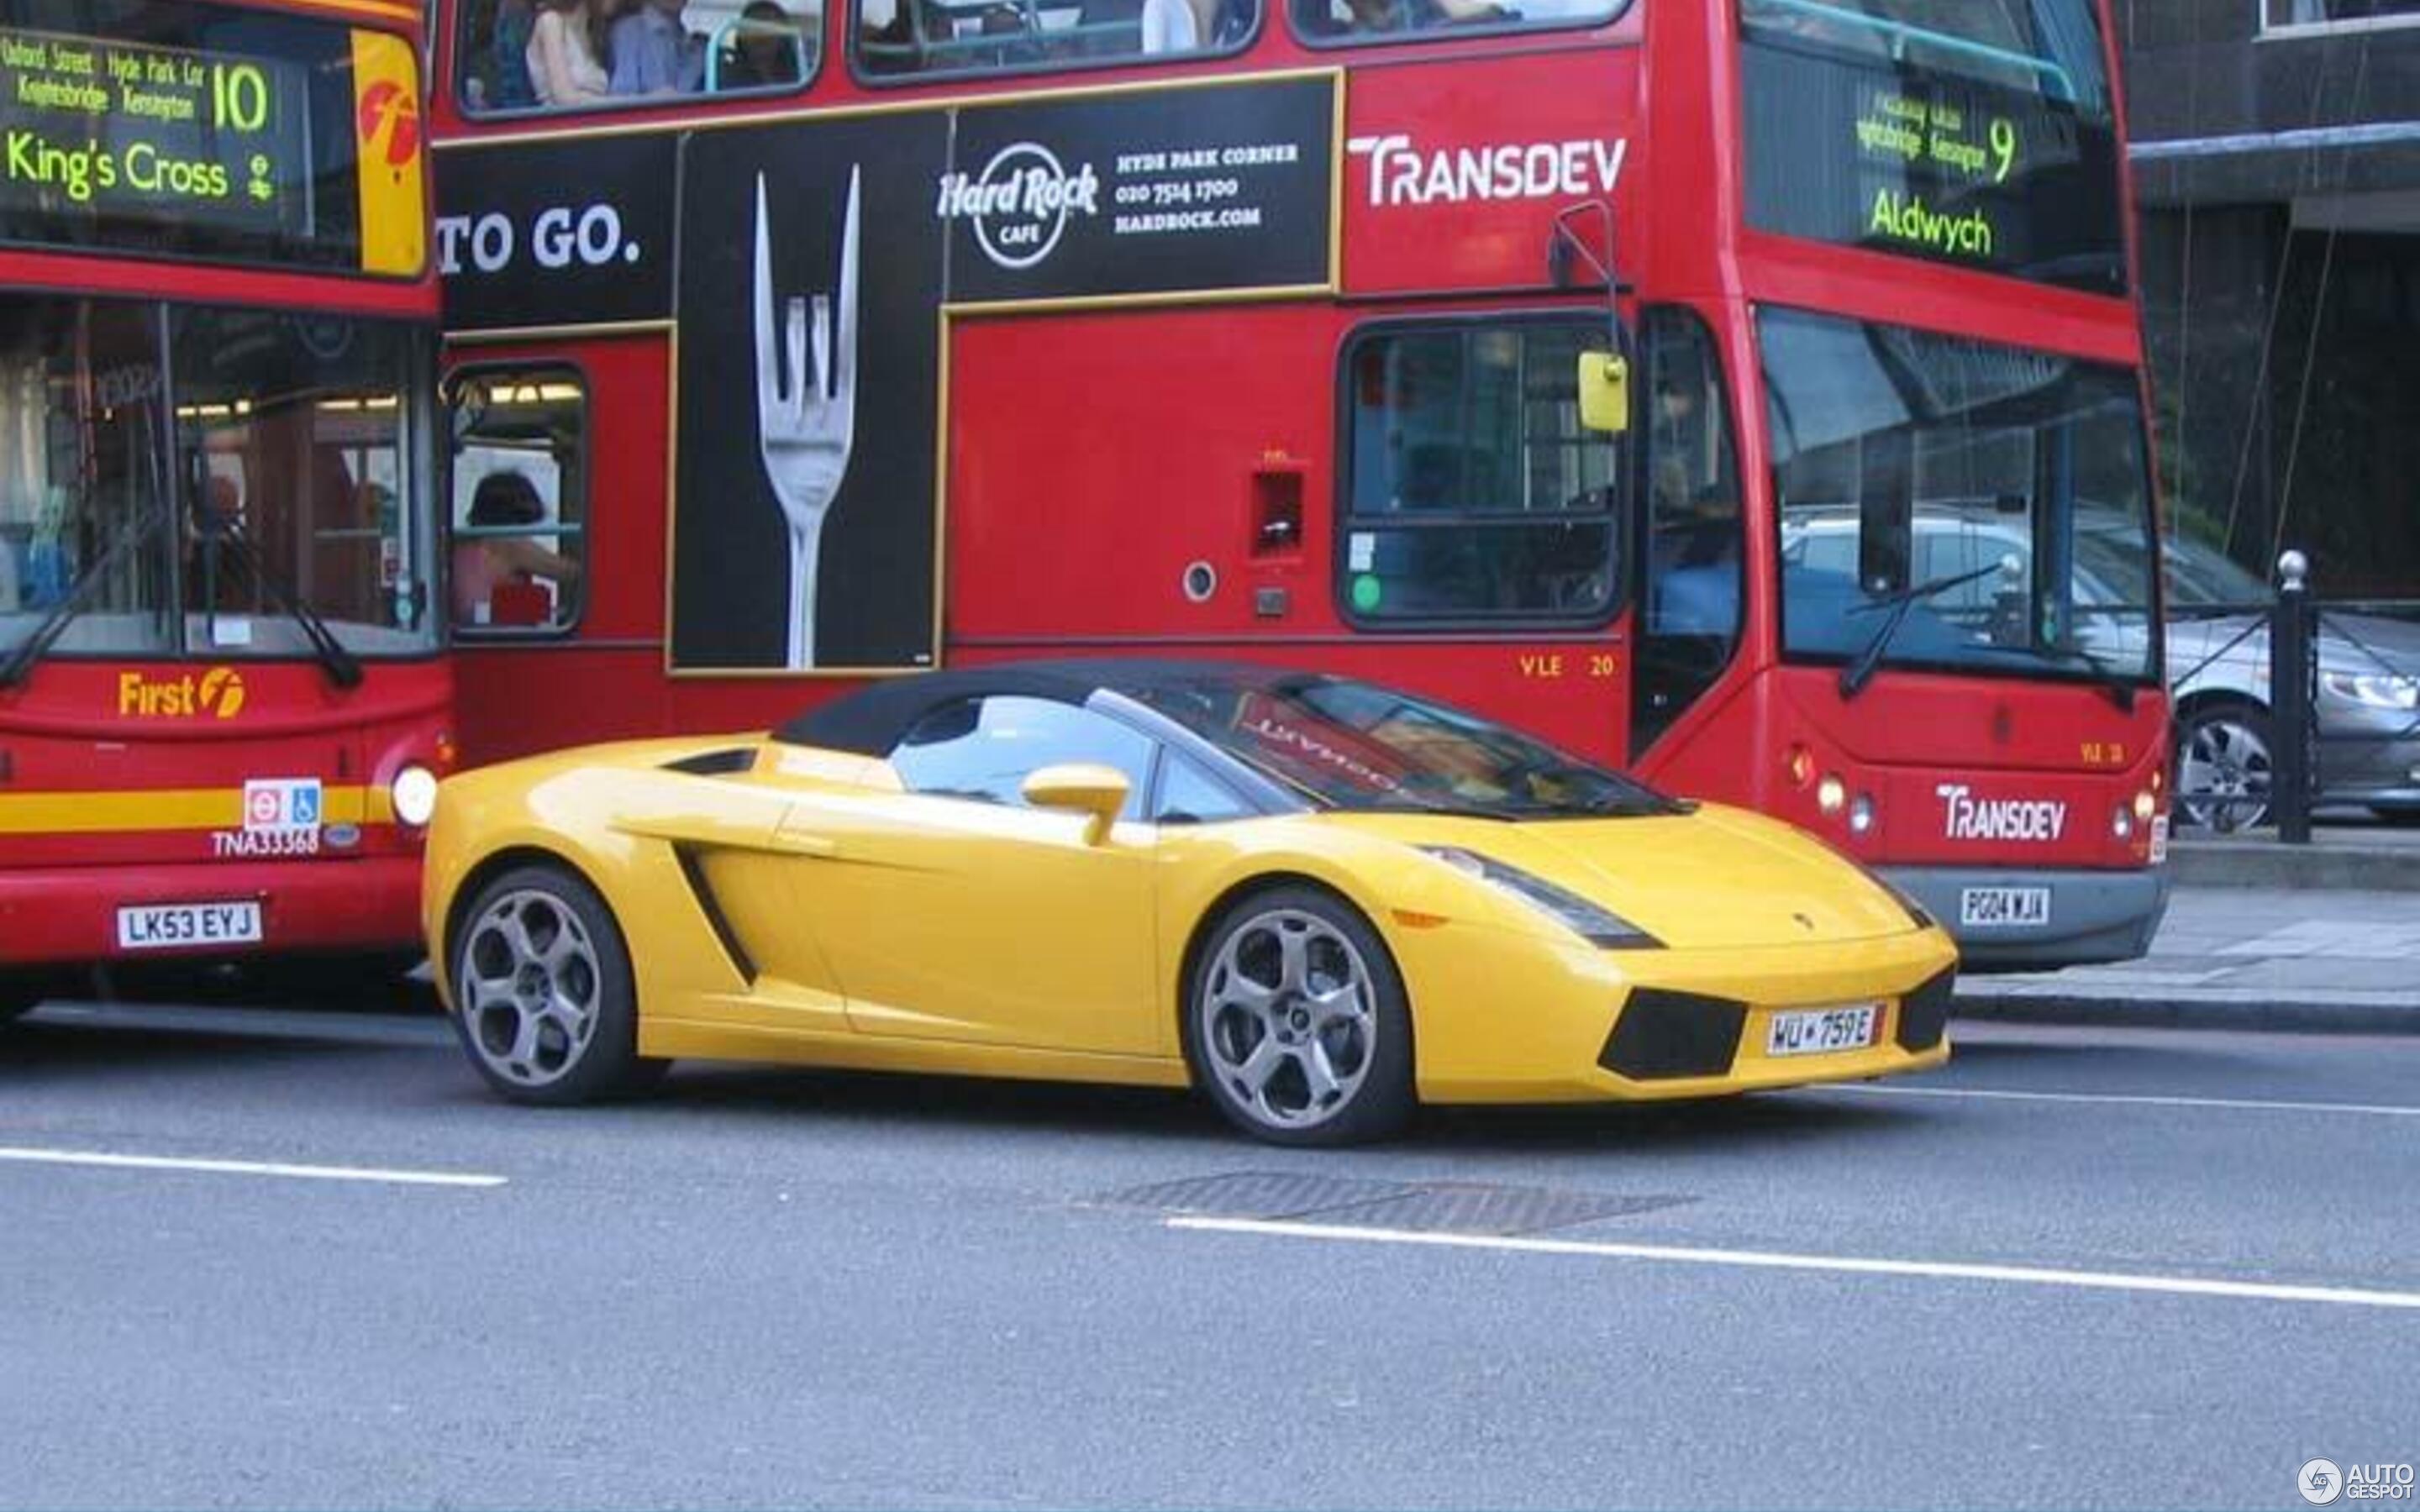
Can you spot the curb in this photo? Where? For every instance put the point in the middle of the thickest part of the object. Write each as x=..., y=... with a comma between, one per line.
x=2269, y=863
x=2267, y=1015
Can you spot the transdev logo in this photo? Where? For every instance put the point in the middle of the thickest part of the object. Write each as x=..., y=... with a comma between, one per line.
x=216, y=693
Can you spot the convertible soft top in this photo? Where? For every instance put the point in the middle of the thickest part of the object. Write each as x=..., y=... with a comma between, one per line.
x=871, y=720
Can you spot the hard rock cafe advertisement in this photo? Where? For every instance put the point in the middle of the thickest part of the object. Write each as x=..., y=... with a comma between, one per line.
x=815, y=260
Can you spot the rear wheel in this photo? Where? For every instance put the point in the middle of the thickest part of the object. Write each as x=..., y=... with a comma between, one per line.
x=543, y=992
x=1296, y=1024
x=2225, y=767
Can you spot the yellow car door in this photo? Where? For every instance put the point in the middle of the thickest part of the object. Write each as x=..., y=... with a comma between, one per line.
x=956, y=911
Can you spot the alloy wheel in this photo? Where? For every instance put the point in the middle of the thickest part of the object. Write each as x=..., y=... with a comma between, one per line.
x=529, y=984
x=2225, y=773
x=1289, y=1019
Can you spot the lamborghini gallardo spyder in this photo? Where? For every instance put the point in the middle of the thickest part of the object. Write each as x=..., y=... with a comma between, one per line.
x=1319, y=901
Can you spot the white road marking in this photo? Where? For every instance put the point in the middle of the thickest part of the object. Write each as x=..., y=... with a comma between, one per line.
x=246, y=1167
x=2182, y=1286
x=2253, y=1104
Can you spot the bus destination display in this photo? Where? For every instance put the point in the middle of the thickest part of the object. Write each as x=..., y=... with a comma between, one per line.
x=92, y=129
x=1961, y=171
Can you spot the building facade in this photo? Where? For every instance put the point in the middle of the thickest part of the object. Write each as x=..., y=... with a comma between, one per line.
x=2278, y=168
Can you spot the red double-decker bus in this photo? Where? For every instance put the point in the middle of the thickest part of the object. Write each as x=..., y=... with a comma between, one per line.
x=1748, y=391
x=223, y=698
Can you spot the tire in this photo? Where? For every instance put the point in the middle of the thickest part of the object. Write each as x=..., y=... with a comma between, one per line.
x=1341, y=1079
x=2225, y=767
x=544, y=999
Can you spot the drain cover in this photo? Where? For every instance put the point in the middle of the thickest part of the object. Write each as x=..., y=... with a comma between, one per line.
x=1426, y=1207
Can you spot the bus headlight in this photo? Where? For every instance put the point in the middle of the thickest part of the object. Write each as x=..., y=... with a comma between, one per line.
x=414, y=794
x=2121, y=822
x=1831, y=793
x=1861, y=814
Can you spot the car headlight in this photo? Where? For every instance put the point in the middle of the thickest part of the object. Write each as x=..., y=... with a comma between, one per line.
x=2376, y=690
x=1600, y=927
x=414, y=796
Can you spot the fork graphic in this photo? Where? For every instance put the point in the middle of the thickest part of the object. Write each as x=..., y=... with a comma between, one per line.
x=806, y=417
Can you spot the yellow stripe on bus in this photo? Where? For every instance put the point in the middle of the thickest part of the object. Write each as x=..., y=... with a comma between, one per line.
x=155, y=808
x=387, y=130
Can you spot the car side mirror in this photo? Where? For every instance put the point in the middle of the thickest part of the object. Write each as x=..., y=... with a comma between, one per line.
x=1604, y=392
x=1083, y=787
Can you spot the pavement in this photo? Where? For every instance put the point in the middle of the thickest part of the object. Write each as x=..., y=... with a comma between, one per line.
x=2319, y=938
x=260, y=1259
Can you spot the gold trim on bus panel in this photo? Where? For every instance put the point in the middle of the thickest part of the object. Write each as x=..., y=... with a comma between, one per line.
x=947, y=314
x=400, y=12
x=594, y=330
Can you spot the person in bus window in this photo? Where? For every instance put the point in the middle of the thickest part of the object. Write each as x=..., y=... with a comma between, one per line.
x=563, y=65
x=484, y=563
x=762, y=52
x=653, y=53
x=507, y=82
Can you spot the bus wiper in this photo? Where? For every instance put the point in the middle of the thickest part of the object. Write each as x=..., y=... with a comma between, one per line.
x=1854, y=676
x=2108, y=676
x=37, y=646
x=343, y=668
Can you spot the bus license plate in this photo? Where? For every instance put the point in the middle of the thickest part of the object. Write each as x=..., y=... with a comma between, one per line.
x=166, y=926
x=2019, y=907
x=1819, y=1031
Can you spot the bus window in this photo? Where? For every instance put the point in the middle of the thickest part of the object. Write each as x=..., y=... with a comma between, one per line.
x=591, y=54
x=1346, y=22
x=925, y=37
x=1689, y=606
x=1470, y=489
x=520, y=508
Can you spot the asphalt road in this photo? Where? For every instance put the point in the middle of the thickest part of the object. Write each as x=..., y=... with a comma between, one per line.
x=2077, y=1269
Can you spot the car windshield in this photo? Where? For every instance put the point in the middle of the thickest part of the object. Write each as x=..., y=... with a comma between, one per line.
x=2201, y=578
x=2003, y=490
x=1359, y=748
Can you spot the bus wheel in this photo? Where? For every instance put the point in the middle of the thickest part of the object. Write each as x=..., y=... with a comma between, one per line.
x=547, y=1008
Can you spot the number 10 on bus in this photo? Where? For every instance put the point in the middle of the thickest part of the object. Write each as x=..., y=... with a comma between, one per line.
x=238, y=96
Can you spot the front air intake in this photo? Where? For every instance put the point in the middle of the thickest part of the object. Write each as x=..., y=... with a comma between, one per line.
x=1663, y=1035
x=1924, y=1013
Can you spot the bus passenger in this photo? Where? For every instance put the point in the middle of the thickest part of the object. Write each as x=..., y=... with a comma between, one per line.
x=762, y=52
x=484, y=563
x=653, y=53
x=563, y=65
x=508, y=85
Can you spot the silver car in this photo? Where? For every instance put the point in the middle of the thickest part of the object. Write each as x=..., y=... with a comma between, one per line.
x=2367, y=695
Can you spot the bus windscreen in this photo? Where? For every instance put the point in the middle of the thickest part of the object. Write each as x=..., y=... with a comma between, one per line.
x=205, y=132
x=1980, y=132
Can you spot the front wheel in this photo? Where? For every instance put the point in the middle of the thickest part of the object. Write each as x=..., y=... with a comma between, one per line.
x=543, y=992
x=2224, y=769
x=1296, y=1024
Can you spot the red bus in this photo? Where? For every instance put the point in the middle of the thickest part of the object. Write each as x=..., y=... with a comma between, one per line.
x=793, y=342
x=223, y=694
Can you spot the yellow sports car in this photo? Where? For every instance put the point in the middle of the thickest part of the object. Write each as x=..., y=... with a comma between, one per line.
x=1320, y=900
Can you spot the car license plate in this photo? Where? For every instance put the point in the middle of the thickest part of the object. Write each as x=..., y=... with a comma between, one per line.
x=2159, y=838
x=2017, y=907
x=166, y=926
x=1819, y=1031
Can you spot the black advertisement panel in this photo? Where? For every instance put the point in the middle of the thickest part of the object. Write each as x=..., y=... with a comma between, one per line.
x=1164, y=192
x=809, y=299
x=556, y=234
x=816, y=257
x=1956, y=170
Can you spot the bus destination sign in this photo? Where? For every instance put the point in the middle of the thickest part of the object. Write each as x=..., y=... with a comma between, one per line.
x=93, y=129
x=1927, y=165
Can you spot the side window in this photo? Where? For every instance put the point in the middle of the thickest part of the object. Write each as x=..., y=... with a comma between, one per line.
x=1189, y=796
x=519, y=554
x=1335, y=23
x=1691, y=560
x=594, y=54
x=1470, y=490
x=985, y=749
x=896, y=38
